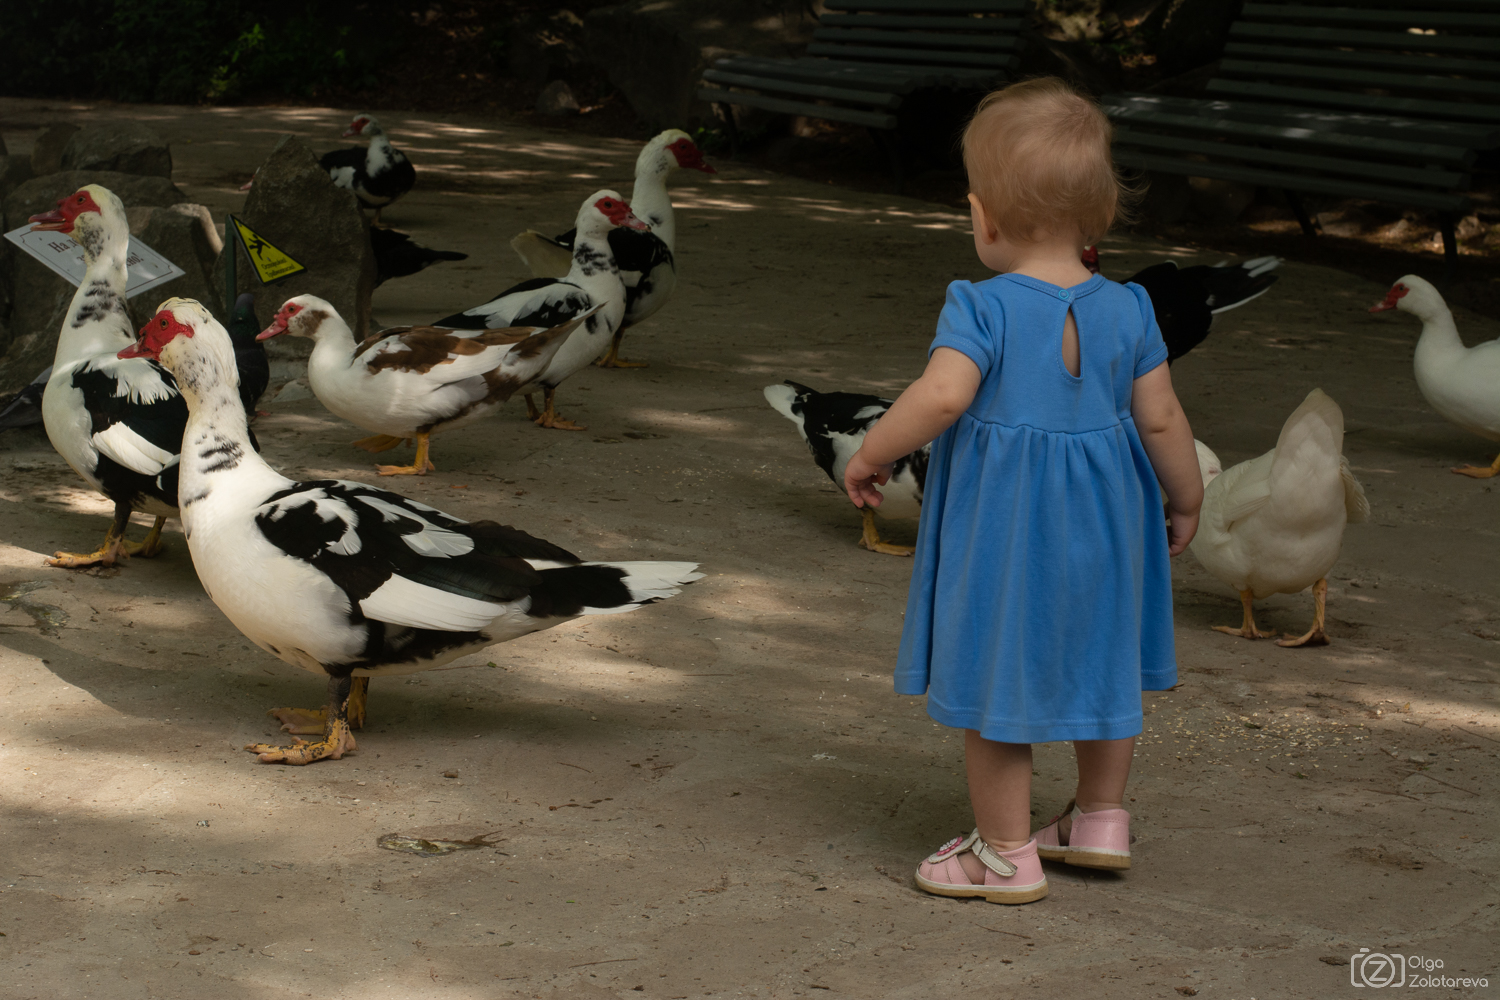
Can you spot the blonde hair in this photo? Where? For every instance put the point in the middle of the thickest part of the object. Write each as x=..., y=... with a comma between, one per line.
x=1037, y=154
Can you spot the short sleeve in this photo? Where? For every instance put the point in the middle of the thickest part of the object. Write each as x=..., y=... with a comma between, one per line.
x=967, y=325
x=1152, y=350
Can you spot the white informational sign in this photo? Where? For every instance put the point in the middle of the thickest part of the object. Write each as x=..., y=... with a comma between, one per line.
x=144, y=267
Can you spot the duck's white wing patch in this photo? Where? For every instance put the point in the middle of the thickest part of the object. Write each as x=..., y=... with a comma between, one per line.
x=1356, y=504
x=328, y=509
x=400, y=601
x=432, y=540
x=343, y=177
x=137, y=379
x=131, y=450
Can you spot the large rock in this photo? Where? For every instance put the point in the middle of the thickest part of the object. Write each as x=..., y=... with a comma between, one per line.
x=125, y=146
x=46, y=152
x=655, y=52
x=185, y=235
x=14, y=171
x=294, y=206
x=40, y=297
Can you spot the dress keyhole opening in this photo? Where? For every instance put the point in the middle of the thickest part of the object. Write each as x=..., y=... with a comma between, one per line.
x=1070, y=350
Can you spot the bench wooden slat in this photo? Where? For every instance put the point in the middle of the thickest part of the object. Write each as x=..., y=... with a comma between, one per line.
x=1425, y=177
x=1364, y=39
x=1341, y=99
x=1428, y=64
x=883, y=101
x=1307, y=70
x=1005, y=24
x=1378, y=127
x=833, y=112
x=922, y=39
x=934, y=6
x=1283, y=12
x=876, y=53
x=1456, y=203
x=1292, y=135
x=864, y=76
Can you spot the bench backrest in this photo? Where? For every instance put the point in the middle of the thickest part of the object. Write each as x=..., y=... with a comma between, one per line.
x=1424, y=59
x=978, y=34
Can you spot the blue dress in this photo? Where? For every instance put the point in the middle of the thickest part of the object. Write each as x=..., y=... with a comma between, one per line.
x=1041, y=600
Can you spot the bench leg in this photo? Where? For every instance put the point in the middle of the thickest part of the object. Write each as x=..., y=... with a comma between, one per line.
x=727, y=110
x=1309, y=225
x=886, y=142
x=1450, y=247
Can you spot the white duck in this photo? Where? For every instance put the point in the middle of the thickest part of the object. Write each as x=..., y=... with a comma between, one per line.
x=592, y=285
x=412, y=382
x=348, y=580
x=646, y=259
x=1461, y=383
x=117, y=423
x=378, y=174
x=834, y=425
x=1275, y=524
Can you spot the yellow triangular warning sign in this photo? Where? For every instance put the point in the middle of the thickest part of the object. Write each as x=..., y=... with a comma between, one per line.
x=270, y=264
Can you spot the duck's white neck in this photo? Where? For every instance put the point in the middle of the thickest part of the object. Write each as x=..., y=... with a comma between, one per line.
x=594, y=267
x=97, y=321
x=334, y=343
x=649, y=199
x=1440, y=334
x=216, y=441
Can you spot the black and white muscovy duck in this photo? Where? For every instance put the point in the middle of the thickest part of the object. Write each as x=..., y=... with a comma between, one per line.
x=349, y=580
x=117, y=422
x=249, y=353
x=24, y=409
x=412, y=382
x=834, y=425
x=378, y=174
x=397, y=255
x=646, y=260
x=1186, y=299
x=593, y=284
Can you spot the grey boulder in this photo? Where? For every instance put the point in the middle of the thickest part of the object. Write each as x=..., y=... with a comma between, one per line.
x=124, y=146
x=46, y=153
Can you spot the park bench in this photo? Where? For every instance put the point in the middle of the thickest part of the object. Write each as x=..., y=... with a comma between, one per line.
x=1389, y=100
x=867, y=57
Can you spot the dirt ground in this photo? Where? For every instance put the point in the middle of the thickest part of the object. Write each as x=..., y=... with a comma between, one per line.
x=644, y=835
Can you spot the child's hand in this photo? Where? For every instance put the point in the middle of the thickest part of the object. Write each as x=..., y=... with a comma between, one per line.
x=860, y=478
x=1180, y=530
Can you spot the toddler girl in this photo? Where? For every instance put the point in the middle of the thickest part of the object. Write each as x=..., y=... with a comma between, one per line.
x=1040, y=603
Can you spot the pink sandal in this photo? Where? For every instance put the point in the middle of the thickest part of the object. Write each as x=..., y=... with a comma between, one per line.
x=1009, y=877
x=1096, y=839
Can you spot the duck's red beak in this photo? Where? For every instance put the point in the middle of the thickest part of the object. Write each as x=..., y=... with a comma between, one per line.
x=631, y=222
x=277, y=328
x=53, y=221
x=1395, y=295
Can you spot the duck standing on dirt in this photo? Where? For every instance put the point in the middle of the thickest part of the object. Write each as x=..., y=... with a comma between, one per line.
x=117, y=422
x=412, y=382
x=834, y=424
x=1275, y=524
x=1461, y=383
x=592, y=285
x=348, y=580
x=1186, y=299
x=647, y=262
x=378, y=174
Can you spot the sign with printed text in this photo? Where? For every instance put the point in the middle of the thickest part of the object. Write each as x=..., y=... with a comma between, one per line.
x=144, y=267
x=271, y=264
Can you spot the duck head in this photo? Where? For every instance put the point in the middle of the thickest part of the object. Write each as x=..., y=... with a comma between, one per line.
x=190, y=343
x=92, y=216
x=1413, y=295
x=303, y=316
x=363, y=125
x=1090, y=259
x=1209, y=465
x=604, y=210
x=671, y=150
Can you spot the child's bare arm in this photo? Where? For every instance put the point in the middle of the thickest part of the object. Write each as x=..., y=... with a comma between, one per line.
x=927, y=408
x=1168, y=441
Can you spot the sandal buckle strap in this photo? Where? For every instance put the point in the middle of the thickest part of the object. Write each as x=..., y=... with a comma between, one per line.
x=992, y=859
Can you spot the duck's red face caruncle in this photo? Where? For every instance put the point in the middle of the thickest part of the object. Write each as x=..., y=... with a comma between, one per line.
x=281, y=321
x=62, y=218
x=159, y=331
x=356, y=127
x=1396, y=294
x=619, y=213
x=690, y=157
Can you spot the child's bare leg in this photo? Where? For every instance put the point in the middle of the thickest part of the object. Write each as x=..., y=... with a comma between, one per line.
x=1000, y=790
x=1103, y=769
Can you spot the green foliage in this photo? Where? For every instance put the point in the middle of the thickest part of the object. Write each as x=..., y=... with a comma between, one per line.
x=184, y=51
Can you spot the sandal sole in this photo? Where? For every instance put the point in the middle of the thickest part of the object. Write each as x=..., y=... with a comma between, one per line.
x=989, y=894
x=1098, y=859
